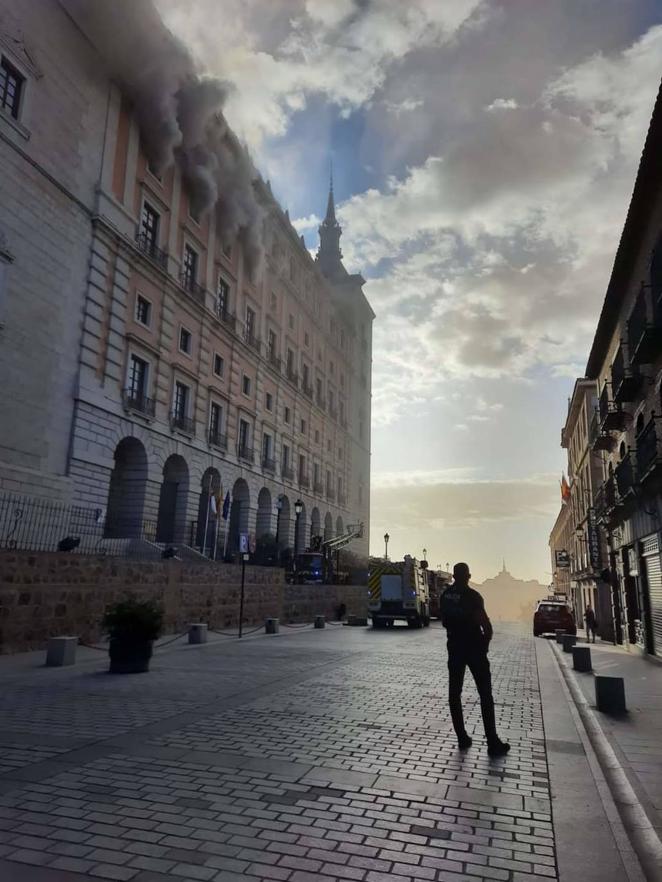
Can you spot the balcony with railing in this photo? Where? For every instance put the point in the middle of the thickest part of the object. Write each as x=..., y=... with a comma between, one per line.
x=150, y=249
x=274, y=361
x=625, y=474
x=342, y=499
x=605, y=499
x=182, y=423
x=189, y=284
x=140, y=403
x=269, y=464
x=645, y=328
x=218, y=439
x=245, y=452
x=330, y=494
x=287, y=472
x=304, y=480
x=626, y=378
x=251, y=340
x=597, y=439
x=292, y=376
x=318, y=488
x=228, y=318
x=307, y=390
x=611, y=415
x=649, y=449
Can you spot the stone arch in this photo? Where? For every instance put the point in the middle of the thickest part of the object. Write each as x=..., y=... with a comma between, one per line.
x=301, y=531
x=264, y=513
x=171, y=521
x=328, y=526
x=315, y=526
x=283, y=522
x=126, y=491
x=238, y=522
x=340, y=528
x=208, y=513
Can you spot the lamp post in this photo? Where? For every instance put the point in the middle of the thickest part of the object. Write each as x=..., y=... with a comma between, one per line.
x=386, y=538
x=425, y=554
x=244, y=558
x=279, y=508
x=298, y=508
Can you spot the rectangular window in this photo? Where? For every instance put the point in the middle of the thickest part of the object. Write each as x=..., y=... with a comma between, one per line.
x=180, y=409
x=339, y=489
x=303, y=427
x=138, y=368
x=291, y=321
x=267, y=447
x=190, y=271
x=305, y=374
x=290, y=362
x=222, y=297
x=286, y=456
x=271, y=345
x=302, y=465
x=316, y=473
x=11, y=88
x=274, y=302
x=250, y=323
x=244, y=436
x=215, y=420
x=287, y=415
x=185, y=341
x=317, y=436
x=246, y=385
x=306, y=339
x=342, y=411
x=218, y=365
x=143, y=311
x=149, y=227
x=269, y=401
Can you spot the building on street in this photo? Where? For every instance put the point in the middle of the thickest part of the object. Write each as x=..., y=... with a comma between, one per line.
x=560, y=544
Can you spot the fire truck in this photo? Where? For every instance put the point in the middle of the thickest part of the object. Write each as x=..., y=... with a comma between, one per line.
x=316, y=565
x=398, y=591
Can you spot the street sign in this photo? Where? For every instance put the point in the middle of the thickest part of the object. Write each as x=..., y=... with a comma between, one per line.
x=562, y=559
x=594, y=550
x=244, y=543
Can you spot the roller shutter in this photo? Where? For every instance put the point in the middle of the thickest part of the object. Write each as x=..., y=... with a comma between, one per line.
x=651, y=556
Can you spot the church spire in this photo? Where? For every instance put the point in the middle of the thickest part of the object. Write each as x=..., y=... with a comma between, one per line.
x=329, y=255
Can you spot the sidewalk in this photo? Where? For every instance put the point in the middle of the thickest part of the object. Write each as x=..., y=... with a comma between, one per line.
x=635, y=738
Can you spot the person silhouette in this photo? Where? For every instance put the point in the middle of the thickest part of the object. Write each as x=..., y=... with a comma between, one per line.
x=469, y=633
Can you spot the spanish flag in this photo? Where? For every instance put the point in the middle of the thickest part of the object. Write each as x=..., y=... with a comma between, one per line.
x=565, y=489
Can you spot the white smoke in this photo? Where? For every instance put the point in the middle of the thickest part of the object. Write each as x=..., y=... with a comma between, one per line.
x=179, y=112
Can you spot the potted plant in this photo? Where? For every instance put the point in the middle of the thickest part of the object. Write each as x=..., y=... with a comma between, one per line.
x=133, y=626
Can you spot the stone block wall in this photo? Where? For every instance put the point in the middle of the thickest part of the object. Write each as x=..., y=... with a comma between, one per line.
x=49, y=594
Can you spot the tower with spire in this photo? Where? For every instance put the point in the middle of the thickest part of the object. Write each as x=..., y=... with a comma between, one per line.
x=329, y=255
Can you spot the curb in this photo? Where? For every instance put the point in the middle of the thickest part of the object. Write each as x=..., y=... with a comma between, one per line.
x=643, y=836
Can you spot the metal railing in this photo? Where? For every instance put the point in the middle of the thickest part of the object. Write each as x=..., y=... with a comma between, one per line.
x=183, y=423
x=611, y=415
x=292, y=376
x=274, y=361
x=246, y=453
x=304, y=480
x=330, y=494
x=136, y=401
x=195, y=289
x=228, y=318
x=150, y=248
x=287, y=472
x=648, y=449
x=318, y=488
x=307, y=390
x=268, y=464
x=218, y=439
x=251, y=340
x=625, y=474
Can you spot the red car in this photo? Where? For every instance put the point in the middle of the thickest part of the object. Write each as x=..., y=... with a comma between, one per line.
x=552, y=615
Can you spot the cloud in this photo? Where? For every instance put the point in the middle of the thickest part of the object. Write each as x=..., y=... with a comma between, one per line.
x=301, y=224
x=503, y=104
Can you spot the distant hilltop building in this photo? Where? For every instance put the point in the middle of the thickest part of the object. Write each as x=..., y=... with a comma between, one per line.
x=508, y=599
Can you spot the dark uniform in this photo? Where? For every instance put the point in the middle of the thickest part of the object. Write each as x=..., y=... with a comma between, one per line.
x=469, y=634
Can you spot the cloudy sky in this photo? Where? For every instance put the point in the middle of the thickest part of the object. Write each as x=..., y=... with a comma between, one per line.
x=484, y=154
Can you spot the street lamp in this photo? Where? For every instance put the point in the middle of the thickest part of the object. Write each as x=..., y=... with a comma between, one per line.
x=298, y=508
x=386, y=538
x=425, y=554
x=279, y=508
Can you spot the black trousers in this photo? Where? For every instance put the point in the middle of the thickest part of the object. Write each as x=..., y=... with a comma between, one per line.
x=478, y=663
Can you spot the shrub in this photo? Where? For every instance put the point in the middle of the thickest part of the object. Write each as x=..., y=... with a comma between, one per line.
x=134, y=620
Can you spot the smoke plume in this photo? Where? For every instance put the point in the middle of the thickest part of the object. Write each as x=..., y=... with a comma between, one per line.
x=179, y=112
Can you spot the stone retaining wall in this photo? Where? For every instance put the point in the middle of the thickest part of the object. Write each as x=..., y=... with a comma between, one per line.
x=49, y=594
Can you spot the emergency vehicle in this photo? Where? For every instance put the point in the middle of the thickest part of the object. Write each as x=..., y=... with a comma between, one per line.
x=398, y=591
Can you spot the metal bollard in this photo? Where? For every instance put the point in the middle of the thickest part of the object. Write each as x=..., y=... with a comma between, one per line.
x=197, y=633
x=319, y=621
x=61, y=651
x=581, y=659
x=569, y=641
x=271, y=626
x=559, y=635
x=610, y=695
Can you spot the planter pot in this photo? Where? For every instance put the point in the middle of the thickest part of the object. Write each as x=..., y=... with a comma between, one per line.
x=129, y=656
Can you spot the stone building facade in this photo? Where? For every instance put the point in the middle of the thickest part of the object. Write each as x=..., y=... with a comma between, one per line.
x=176, y=370
x=560, y=545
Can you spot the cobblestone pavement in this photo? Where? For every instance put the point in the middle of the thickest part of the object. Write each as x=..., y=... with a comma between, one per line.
x=322, y=755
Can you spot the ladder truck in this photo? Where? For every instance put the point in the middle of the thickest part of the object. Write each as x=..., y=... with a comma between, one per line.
x=316, y=565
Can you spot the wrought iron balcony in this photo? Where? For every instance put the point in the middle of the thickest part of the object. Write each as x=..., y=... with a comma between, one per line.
x=342, y=499
x=304, y=480
x=293, y=377
x=274, y=361
x=149, y=247
x=183, y=423
x=649, y=452
x=645, y=328
x=268, y=464
x=598, y=439
x=227, y=317
x=611, y=415
x=246, y=453
x=318, y=488
x=251, y=340
x=137, y=401
x=330, y=494
x=189, y=284
x=218, y=439
x=625, y=378
x=605, y=499
x=308, y=390
x=625, y=474
x=287, y=472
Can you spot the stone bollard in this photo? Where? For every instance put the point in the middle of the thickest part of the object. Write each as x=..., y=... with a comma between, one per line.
x=581, y=659
x=319, y=621
x=197, y=633
x=610, y=695
x=569, y=641
x=271, y=626
x=61, y=651
x=559, y=635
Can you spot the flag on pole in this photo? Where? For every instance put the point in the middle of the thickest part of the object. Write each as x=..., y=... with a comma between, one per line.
x=226, y=506
x=565, y=489
x=212, y=504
